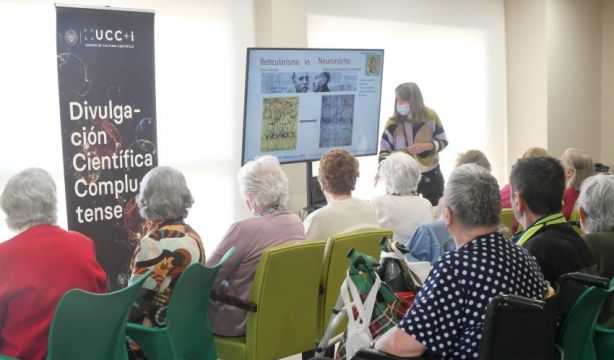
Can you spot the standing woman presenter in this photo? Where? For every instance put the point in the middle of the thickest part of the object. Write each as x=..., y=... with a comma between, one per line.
x=416, y=130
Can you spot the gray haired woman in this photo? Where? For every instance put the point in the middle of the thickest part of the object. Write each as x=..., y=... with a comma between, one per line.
x=463, y=282
x=39, y=264
x=596, y=210
x=401, y=208
x=169, y=246
x=264, y=186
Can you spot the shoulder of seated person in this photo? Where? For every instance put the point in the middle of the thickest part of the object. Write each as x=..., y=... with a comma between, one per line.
x=256, y=221
x=448, y=257
x=548, y=240
x=605, y=236
x=554, y=232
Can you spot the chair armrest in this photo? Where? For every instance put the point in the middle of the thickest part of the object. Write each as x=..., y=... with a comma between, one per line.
x=585, y=279
x=234, y=301
x=604, y=330
x=370, y=354
x=560, y=354
x=604, y=342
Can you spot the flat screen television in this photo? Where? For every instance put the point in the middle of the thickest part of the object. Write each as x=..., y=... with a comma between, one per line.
x=299, y=103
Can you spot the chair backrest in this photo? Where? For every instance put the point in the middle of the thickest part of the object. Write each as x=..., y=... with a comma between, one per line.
x=92, y=326
x=507, y=219
x=574, y=220
x=576, y=336
x=335, y=264
x=187, y=320
x=571, y=286
x=601, y=245
x=517, y=328
x=285, y=290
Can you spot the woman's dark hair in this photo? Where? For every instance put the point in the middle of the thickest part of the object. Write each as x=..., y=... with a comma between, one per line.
x=541, y=181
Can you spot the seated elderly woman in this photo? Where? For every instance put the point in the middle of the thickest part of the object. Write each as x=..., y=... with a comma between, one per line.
x=38, y=265
x=264, y=186
x=596, y=210
x=337, y=176
x=447, y=317
x=169, y=246
x=578, y=166
x=401, y=208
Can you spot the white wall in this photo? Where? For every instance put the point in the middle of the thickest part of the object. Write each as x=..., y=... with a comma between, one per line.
x=200, y=54
x=455, y=51
x=558, y=76
x=283, y=23
x=527, y=80
x=607, y=82
x=574, y=75
x=200, y=64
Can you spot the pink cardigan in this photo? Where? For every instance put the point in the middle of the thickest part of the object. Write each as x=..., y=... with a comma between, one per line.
x=250, y=238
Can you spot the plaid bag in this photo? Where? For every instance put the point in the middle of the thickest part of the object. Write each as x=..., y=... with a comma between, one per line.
x=385, y=316
x=395, y=296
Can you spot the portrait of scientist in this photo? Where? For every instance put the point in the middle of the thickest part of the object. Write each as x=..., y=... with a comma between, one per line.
x=301, y=81
x=372, y=66
x=320, y=84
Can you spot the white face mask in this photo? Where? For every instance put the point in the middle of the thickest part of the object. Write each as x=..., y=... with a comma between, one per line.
x=403, y=109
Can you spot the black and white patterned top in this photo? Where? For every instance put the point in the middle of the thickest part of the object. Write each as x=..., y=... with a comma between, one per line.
x=449, y=311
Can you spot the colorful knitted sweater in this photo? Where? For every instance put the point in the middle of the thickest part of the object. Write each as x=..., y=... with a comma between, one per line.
x=400, y=133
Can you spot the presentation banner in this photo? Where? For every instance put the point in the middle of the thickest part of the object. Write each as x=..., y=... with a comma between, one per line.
x=106, y=79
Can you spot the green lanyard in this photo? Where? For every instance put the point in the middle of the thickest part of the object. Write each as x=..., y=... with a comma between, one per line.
x=553, y=219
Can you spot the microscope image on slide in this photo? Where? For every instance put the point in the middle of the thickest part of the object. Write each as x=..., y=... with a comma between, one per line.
x=279, y=123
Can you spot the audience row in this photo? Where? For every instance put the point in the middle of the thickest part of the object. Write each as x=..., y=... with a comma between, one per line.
x=460, y=236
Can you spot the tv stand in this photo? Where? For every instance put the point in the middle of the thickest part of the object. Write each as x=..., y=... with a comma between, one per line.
x=315, y=196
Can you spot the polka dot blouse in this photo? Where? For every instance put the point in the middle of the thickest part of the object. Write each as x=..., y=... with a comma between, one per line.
x=448, y=314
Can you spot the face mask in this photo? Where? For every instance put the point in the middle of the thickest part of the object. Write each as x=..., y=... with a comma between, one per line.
x=403, y=109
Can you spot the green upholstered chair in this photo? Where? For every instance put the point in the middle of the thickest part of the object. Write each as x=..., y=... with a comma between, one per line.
x=574, y=219
x=507, y=220
x=187, y=334
x=601, y=245
x=335, y=264
x=578, y=331
x=285, y=292
x=604, y=342
x=604, y=337
x=91, y=326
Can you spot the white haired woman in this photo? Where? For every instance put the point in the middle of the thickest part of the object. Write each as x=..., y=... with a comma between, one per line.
x=170, y=245
x=39, y=264
x=264, y=186
x=596, y=210
x=464, y=281
x=401, y=208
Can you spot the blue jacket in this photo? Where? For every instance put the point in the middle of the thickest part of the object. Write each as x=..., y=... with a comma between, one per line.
x=430, y=241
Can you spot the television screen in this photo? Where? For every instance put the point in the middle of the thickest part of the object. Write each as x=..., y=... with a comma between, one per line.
x=299, y=103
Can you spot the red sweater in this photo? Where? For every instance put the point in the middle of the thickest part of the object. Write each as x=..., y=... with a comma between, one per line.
x=569, y=201
x=37, y=267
